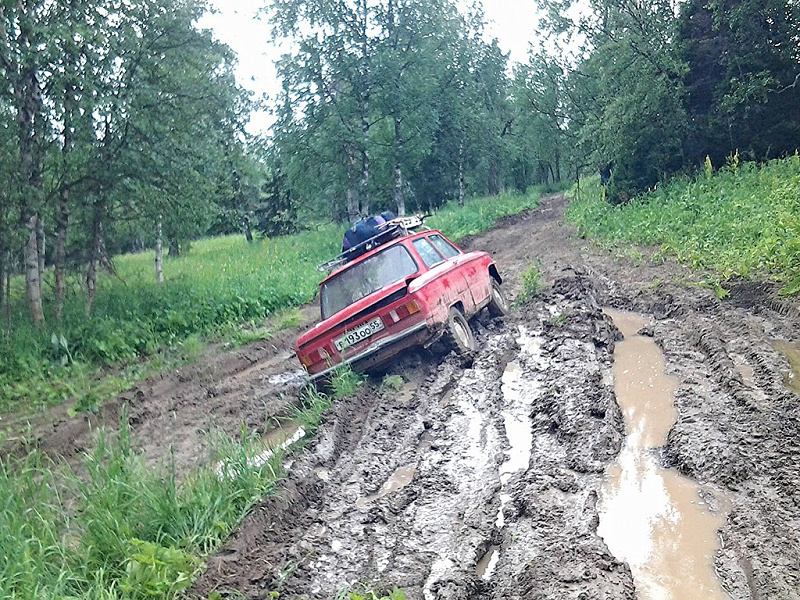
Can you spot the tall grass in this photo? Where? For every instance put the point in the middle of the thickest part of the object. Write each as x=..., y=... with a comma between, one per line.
x=219, y=282
x=124, y=531
x=742, y=221
x=480, y=214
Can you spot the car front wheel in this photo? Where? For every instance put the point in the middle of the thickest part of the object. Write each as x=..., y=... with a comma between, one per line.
x=498, y=305
x=458, y=334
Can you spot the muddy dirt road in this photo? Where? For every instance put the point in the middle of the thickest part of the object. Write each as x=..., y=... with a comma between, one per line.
x=494, y=477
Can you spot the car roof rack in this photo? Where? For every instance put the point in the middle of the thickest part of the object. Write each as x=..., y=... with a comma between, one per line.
x=397, y=227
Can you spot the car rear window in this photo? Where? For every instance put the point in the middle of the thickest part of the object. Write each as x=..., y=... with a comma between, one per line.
x=444, y=246
x=363, y=278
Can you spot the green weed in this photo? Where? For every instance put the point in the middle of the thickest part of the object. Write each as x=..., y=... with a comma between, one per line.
x=480, y=214
x=389, y=594
x=743, y=220
x=393, y=382
x=345, y=381
x=121, y=529
x=313, y=406
x=531, y=285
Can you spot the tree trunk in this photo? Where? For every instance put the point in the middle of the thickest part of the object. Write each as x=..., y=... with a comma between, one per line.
x=94, y=262
x=174, y=248
x=159, y=252
x=494, y=177
x=28, y=99
x=62, y=219
x=3, y=265
x=102, y=256
x=353, y=209
x=33, y=283
x=363, y=186
x=461, y=190
x=8, y=299
x=399, y=199
x=363, y=102
x=61, y=250
x=558, y=167
x=248, y=231
x=40, y=246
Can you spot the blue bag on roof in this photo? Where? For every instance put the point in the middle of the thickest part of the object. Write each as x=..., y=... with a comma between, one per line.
x=362, y=231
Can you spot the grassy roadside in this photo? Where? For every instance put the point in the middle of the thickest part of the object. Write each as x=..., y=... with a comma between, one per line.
x=743, y=220
x=124, y=530
x=139, y=328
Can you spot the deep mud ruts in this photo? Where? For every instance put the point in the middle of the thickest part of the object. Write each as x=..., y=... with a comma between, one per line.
x=485, y=517
x=480, y=478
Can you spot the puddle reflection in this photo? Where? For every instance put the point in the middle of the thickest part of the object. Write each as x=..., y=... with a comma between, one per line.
x=654, y=519
x=399, y=479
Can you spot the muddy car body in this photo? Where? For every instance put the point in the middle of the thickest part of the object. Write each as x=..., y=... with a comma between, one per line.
x=414, y=289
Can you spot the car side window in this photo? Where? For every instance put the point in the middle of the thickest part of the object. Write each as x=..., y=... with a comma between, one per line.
x=444, y=246
x=427, y=252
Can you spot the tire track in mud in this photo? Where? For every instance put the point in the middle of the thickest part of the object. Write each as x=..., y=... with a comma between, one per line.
x=448, y=427
x=737, y=435
x=739, y=432
x=438, y=534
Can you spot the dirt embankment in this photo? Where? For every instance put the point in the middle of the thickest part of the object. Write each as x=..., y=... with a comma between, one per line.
x=480, y=478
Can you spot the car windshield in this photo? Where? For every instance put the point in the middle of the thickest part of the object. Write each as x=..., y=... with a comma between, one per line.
x=363, y=278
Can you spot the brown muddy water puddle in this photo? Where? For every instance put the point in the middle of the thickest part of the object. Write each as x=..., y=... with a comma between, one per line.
x=398, y=480
x=792, y=353
x=654, y=519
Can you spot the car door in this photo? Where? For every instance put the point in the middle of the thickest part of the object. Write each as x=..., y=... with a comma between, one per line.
x=472, y=269
x=454, y=284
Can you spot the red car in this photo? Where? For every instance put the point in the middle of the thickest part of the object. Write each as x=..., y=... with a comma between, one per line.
x=406, y=288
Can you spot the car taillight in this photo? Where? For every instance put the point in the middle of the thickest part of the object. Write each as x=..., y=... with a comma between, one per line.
x=404, y=310
x=306, y=360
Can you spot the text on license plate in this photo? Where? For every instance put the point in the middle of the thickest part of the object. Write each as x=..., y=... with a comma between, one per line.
x=362, y=332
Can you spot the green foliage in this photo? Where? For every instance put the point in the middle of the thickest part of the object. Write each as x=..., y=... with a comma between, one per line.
x=153, y=571
x=654, y=88
x=742, y=222
x=219, y=283
x=345, y=381
x=480, y=214
x=423, y=112
x=531, y=284
x=393, y=382
x=122, y=531
x=277, y=212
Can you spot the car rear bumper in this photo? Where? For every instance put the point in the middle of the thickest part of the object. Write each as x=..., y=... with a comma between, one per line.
x=381, y=350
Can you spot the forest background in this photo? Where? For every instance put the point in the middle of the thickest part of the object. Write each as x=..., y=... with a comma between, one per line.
x=122, y=129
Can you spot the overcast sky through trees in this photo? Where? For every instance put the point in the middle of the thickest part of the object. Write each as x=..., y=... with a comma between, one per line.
x=512, y=22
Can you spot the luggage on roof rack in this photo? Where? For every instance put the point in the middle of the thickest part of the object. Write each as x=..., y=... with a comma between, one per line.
x=380, y=234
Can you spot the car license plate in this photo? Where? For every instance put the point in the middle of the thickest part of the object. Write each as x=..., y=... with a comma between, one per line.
x=362, y=332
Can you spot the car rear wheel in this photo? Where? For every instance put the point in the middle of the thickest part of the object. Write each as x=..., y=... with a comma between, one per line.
x=498, y=305
x=458, y=335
